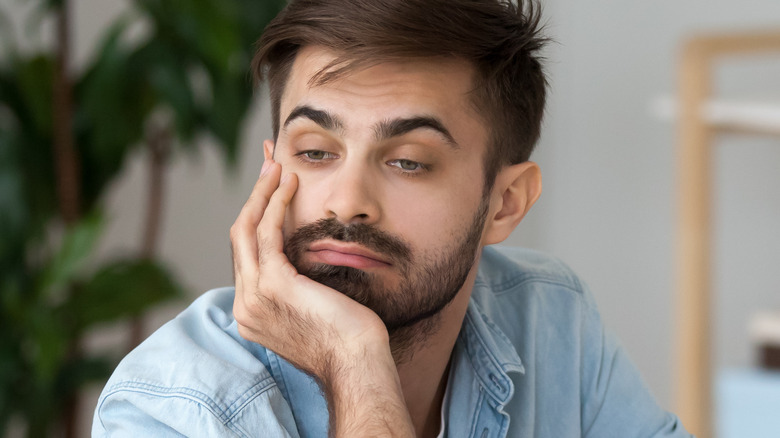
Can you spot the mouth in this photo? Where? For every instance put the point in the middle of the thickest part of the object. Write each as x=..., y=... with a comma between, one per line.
x=335, y=253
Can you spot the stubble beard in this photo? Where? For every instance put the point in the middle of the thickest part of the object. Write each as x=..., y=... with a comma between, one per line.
x=412, y=310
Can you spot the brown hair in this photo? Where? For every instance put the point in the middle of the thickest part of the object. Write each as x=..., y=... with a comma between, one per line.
x=499, y=38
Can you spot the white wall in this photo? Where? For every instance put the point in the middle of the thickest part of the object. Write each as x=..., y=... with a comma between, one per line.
x=609, y=202
x=608, y=208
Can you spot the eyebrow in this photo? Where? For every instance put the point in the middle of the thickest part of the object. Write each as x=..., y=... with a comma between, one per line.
x=324, y=119
x=384, y=130
x=397, y=127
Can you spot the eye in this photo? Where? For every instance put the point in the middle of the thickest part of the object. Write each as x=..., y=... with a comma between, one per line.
x=315, y=156
x=408, y=166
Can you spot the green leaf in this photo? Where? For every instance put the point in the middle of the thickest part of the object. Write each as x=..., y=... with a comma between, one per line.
x=170, y=81
x=13, y=208
x=11, y=366
x=121, y=289
x=230, y=103
x=34, y=81
x=77, y=372
x=113, y=104
x=205, y=31
x=254, y=16
x=76, y=246
x=25, y=123
x=46, y=344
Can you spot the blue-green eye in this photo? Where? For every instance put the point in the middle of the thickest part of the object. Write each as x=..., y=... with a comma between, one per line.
x=316, y=155
x=408, y=165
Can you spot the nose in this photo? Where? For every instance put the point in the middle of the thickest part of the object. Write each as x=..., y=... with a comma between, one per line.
x=352, y=196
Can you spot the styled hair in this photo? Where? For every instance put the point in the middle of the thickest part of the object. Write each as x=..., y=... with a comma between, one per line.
x=500, y=38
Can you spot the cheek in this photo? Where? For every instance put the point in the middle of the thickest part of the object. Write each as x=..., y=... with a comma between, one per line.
x=304, y=207
x=431, y=222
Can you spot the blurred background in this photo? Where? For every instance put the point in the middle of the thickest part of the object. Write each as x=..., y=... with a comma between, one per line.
x=168, y=137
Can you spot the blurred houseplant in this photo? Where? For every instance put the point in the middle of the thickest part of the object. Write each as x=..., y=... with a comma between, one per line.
x=64, y=136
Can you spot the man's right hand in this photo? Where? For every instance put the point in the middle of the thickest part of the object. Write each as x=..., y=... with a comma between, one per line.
x=340, y=342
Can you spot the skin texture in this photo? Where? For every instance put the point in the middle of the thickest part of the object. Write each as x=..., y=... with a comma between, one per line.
x=356, y=166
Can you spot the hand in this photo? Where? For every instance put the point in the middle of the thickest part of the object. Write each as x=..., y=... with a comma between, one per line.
x=340, y=342
x=300, y=319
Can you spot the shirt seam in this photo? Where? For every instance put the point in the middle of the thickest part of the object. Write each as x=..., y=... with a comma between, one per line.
x=571, y=282
x=511, y=283
x=249, y=395
x=225, y=416
x=508, y=286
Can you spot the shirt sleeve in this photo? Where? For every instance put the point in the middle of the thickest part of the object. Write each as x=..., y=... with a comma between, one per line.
x=194, y=377
x=616, y=402
x=133, y=409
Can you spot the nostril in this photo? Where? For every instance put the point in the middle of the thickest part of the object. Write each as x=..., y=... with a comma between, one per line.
x=349, y=201
x=359, y=218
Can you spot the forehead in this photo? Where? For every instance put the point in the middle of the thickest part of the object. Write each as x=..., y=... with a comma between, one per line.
x=437, y=87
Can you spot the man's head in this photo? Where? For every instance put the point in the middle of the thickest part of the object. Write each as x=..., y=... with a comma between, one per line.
x=500, y=39
x=409, y=137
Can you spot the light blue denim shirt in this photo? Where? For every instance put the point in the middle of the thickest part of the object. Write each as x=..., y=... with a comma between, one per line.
x=532, y=360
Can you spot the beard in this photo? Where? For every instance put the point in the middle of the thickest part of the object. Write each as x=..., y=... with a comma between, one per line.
x=426, y=285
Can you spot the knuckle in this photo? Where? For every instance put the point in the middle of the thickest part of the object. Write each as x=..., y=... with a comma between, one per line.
x=234, y=231
x=243, y=318
x=244, y=332
x=239, y=312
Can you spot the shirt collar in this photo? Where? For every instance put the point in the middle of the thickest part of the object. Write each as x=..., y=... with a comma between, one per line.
x=490, y=351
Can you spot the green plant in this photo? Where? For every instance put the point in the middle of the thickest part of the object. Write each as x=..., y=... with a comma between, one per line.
x=64, y=136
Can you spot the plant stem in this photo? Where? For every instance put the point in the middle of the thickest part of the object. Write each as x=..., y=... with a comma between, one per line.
x=67, y=169
x=66, y=157
x=158, y=141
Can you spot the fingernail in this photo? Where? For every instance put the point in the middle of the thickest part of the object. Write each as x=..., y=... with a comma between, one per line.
x=266, y=165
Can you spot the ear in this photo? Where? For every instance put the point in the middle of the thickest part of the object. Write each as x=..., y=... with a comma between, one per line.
x=268, y=149
x=515, y=190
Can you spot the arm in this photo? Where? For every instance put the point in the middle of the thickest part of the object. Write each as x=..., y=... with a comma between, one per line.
x=341, y=343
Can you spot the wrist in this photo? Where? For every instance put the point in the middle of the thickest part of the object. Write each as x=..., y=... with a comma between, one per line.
x=364, y=396
x=366, y=365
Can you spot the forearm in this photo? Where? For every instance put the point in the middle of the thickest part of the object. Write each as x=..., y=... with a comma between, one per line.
x=365, y=399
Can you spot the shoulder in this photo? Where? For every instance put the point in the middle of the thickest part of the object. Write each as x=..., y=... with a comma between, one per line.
x=531, y=298
x=542, y=309
x=540, y=306
x=510, y=274
x=503, y=268
x=198, y=366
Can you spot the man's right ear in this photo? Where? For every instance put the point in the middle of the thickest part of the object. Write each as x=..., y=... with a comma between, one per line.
x=268, y=149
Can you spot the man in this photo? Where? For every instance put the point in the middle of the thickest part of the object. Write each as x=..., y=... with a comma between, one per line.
x=364, y=303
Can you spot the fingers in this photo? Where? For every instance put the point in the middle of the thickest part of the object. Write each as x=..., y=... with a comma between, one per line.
x=243, y=232
x=265, y=186
x=269, y=231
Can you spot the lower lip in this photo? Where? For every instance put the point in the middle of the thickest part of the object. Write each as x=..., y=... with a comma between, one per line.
x=335, y=258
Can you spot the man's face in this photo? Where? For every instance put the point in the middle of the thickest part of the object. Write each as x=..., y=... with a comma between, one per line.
x=390, y=207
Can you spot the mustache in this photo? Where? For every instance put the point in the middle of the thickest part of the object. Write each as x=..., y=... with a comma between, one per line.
x=367, y=235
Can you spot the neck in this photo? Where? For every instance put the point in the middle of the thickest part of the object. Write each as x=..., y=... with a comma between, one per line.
x=423, y=367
